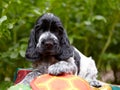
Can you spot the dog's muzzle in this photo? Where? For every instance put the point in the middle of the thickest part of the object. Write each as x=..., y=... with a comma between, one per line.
x=48, y=44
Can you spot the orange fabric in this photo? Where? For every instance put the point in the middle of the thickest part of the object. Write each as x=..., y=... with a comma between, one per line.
x=66, y=82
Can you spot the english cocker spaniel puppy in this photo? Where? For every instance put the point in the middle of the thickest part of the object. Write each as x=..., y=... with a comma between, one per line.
x=50, y=51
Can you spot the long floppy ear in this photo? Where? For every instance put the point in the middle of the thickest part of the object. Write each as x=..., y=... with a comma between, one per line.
x=31, y=52
x=66, y=48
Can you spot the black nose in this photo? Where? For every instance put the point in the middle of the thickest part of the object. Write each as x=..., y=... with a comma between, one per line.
x=48, y=44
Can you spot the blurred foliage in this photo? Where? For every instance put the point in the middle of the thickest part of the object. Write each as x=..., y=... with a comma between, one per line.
x=92, y=25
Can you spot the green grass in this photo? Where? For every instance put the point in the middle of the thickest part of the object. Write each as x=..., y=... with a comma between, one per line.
x=4, y=85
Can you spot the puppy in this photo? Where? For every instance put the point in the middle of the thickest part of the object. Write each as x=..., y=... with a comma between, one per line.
x=50, y=51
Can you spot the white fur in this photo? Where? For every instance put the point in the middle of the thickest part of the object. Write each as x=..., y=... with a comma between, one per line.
x=46, y=35
x=63, y=67
x=88, y=68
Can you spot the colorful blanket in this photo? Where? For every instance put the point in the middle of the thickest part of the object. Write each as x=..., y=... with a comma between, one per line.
x=26, y=87
x=23, y=72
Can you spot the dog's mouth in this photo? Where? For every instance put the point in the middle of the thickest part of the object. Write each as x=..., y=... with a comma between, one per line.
x=48, y=48
x=48, y=52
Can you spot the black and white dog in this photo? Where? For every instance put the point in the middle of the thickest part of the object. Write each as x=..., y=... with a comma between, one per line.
x=50, y=51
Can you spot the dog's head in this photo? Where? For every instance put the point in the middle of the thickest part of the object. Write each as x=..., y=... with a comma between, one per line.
x=48, y=38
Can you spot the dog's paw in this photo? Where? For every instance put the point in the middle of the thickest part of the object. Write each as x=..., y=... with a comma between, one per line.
x=61, y=67
x=95, y=84
x=29, y=77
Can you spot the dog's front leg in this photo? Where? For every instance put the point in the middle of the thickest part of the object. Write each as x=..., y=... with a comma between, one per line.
x=29, y=77
x=63, y=67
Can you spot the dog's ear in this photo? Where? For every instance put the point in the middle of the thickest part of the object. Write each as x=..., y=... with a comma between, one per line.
x=31, y=52
x=66, y=49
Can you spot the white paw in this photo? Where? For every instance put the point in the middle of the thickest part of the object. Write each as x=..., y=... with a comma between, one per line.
x=61, y=67
x=95, y=84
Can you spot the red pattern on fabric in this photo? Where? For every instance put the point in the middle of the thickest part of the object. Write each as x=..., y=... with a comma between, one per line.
x=20, y=75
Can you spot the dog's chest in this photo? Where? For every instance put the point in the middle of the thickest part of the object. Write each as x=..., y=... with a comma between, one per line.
x=43, y=64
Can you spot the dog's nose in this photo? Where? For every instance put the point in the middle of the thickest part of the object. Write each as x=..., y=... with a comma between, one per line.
x=48, y=44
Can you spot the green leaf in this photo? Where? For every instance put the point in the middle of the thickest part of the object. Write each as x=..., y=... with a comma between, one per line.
x=13, y=55
x=22, y=53
x=37, y=11
x=10, y=25
x=2, y=19
x=99, y=17
x=87, y=22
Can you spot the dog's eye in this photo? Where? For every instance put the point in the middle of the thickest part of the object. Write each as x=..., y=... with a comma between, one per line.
x=53, y=30
x=40, y=28
x=60, y=28
x=37, y=27
x=56, y=30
